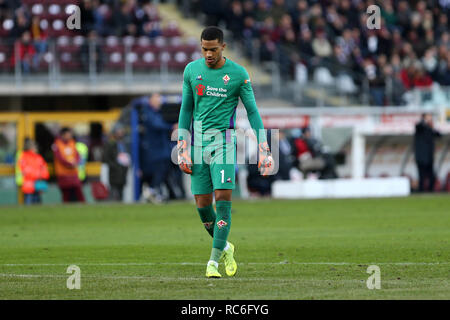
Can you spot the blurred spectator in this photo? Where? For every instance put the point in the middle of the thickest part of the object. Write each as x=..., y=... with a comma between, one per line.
x=21, y=23
x=26, y=52
x=155, y=145
x=321, y=46
x=91, y=53
x=66, y=160
x=312, y=157
x=118, y=160
x=286, y=157
x=258, y=185
x=39, y=37
x=122, y=20
x=214, y=11
x=88, y=17
x=424, y=151
x=376, y=82
x=235, y=19
x=31, y=173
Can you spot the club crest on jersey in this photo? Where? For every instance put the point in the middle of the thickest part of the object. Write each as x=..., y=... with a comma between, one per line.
x=200, y=88
x=199, y=77
x=226, y=78
x=221, y=224
x=207, y=225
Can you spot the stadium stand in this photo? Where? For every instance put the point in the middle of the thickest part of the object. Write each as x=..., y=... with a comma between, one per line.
x=119, y=31
x=330, y=38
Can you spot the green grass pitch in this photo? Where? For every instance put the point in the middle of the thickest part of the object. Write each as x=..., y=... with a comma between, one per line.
x=305, y=249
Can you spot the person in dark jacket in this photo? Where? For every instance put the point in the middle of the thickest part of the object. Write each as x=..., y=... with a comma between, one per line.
x=424, y=151
x=155, y=144
x=118, y=160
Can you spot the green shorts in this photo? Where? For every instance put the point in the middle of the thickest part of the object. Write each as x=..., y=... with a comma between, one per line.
x=215, y=170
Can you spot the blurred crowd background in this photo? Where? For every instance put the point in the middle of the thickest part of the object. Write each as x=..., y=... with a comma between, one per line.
x=326, y=40
x=315, y=53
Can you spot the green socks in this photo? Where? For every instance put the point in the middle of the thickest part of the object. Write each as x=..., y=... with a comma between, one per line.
x=221, y=229
x=218, y=225
x=208, y=217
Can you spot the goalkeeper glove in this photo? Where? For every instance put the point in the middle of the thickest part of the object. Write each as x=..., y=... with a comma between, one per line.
x=265, y=163
x=184, y=160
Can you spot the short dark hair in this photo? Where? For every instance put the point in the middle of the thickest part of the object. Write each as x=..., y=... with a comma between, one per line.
x=64, y=130
x=212, y=33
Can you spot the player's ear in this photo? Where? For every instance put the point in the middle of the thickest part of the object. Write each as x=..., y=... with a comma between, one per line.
x=224, y=46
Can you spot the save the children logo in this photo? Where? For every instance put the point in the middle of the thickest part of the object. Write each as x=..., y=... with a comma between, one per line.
x=200, y=89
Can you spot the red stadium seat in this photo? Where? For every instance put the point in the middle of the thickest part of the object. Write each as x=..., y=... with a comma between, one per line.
x=115, y=61
x=147, y=60
x=113, y=44
x=179, y=60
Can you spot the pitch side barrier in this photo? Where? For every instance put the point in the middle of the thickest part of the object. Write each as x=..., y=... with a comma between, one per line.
x=366, y=134
x=21, y=125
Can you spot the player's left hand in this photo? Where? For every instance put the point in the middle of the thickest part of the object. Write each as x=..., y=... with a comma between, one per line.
x=265, y=163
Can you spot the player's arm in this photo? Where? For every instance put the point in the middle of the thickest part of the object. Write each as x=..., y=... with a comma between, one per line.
x=265, y=163
x=184, y=124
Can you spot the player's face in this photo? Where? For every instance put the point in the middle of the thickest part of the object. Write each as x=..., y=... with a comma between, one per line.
x=212, y=52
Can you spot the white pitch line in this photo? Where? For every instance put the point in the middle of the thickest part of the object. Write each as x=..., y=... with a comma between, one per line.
x=148, y=278
x=12, y=275
x=241, y=263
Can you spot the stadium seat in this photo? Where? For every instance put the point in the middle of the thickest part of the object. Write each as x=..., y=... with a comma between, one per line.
x=179, y=60
x=171, y=30
x=115, y=61
x=65, y=43
x=345, y=84
x=323, y=77
x=69, y=61
x=6, y=27
x=148, y=60
x=5, y=64
x=78, y=40
x=113, y=44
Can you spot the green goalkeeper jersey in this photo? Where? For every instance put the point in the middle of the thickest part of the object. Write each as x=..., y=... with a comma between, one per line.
x=211, y=96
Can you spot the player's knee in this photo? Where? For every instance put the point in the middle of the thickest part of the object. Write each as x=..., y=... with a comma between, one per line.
x=203, y=200
x=223, y=195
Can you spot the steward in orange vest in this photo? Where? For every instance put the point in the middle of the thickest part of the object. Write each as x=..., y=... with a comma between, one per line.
x=66, y=166
x=30, y=167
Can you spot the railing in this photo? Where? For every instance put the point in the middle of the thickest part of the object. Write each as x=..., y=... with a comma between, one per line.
x=126, y=60
x=141, y=61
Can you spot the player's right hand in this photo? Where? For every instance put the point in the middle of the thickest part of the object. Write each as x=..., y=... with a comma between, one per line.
x=184, y=160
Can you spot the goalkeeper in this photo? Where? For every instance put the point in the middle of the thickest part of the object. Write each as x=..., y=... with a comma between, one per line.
x=212, y=87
